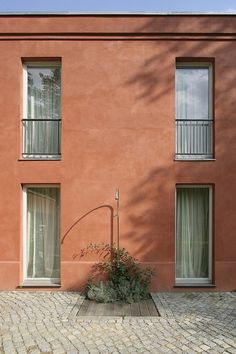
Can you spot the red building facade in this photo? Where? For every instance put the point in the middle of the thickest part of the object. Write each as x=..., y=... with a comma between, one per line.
x=141, y=103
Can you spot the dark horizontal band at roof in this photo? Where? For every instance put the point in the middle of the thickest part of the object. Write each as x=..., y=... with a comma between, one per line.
x=138, y=13
x=59, y=25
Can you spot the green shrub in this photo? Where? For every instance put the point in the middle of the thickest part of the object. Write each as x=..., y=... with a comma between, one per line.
x=125, y=280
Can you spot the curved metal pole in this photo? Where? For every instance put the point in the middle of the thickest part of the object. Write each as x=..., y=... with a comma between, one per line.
x=89, y=212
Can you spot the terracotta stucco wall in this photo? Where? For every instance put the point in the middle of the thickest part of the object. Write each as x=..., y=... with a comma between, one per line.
x=118, y=130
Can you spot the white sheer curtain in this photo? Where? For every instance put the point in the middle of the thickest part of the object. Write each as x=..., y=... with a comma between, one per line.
x=192, y=233
x=44, y=102
x=43, y=244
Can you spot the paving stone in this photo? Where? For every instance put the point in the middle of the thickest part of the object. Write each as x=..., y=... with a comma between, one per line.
x=46, y=322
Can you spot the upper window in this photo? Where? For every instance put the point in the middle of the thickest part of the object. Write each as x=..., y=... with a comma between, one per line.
x=194, y=118
x=42, y=111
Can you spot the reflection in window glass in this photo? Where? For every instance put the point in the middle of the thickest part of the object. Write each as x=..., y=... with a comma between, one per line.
x=42, y=123
x=44, y=93
x=192, y=93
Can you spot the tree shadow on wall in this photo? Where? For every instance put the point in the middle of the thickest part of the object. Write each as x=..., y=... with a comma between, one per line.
x=150, y=208
x=148, y=204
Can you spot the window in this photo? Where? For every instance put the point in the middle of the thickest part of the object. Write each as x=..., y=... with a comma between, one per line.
x=193, y=234
x=194, y=116
x=41, y=205
x=42, y=111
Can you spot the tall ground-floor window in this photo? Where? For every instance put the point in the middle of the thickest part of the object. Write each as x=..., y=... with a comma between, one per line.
x=193, y=234
x=42, y=234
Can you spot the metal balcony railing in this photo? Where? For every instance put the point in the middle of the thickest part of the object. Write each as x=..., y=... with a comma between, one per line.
x=42, y=138
x=194, y=138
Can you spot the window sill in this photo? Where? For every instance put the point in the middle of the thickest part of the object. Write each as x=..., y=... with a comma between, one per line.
x=22, y=286
x=193, y=160
x=38, y=285
x=45, y=159
x=194, y=285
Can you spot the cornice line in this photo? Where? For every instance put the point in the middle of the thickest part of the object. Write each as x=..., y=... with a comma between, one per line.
x=118, y=36
x=123, y=34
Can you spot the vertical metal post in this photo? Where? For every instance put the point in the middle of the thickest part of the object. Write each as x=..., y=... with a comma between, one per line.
x=117, y=198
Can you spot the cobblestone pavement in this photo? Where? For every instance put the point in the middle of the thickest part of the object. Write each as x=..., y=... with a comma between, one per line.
x=46, y=322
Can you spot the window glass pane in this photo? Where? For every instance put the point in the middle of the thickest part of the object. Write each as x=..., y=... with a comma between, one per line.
x=44, y=93
x=192, y=93
x=192, y=233
x=42, y=137
x=43, y=242
x=42, y=124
